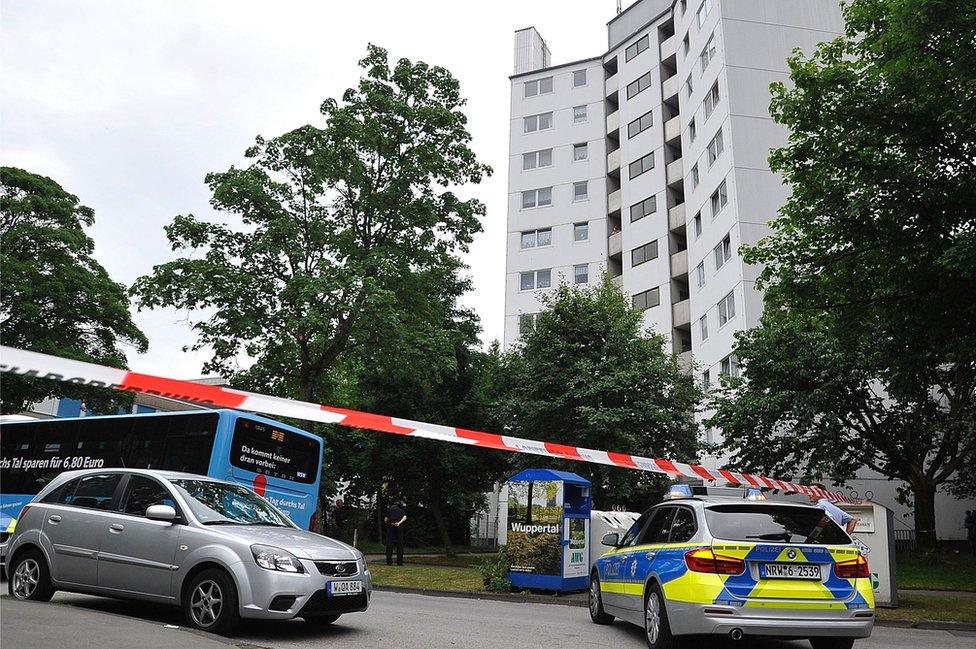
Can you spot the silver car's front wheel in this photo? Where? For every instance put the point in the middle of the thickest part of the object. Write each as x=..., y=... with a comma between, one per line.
x=25, y=579
x=652, y=618
x=206, y=603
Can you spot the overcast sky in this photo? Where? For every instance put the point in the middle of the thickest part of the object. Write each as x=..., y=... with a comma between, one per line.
x=129, y=104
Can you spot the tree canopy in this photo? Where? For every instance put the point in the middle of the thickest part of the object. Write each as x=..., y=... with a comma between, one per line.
x=586, y=375
x=866, y=354
x=56, y=298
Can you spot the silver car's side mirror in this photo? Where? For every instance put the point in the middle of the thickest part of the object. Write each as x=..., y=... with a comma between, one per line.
x=612, y=539
x=161, y=513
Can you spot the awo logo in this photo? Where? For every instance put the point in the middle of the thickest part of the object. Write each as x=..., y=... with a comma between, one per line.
x=535, y=529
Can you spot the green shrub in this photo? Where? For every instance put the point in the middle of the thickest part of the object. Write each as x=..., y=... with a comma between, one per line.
x=494, y=572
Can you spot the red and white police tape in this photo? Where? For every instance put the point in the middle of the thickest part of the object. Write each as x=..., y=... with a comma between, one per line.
x=33, y=364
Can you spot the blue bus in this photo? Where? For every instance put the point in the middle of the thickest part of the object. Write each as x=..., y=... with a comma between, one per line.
x=279, y=462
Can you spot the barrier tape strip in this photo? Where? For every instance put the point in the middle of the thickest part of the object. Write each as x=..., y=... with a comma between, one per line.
x=33, y=364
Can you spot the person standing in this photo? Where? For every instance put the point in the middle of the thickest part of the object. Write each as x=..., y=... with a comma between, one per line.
x=839, y=516
x=970, y=524
x=338, y=518
x=394, y=519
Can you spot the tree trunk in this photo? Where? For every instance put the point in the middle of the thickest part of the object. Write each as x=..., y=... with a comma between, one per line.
x=924, y=492
x=435, y=510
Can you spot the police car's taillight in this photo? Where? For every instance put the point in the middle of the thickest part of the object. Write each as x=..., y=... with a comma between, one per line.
x=704, y=560
x=854, y=569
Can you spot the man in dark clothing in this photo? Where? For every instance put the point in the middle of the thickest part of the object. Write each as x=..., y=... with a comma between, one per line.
x=338, y=519
x=394, y=519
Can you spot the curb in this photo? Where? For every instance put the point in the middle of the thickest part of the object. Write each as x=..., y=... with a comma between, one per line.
x=552, y=600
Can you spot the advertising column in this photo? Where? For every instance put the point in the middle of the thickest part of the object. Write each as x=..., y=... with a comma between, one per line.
x=535, y=521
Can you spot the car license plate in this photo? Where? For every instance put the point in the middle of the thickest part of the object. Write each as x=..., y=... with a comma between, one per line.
x=345, y=587
x=790, y=571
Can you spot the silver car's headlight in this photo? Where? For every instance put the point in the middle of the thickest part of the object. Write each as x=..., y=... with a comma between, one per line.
x=271, y=558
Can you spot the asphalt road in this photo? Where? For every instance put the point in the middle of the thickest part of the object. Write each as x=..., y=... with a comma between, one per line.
x=393, y=620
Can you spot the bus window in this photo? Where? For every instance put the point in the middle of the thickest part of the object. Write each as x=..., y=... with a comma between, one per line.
x=189, y=442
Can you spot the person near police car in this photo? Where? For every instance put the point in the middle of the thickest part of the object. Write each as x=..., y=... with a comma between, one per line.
x=839, y=516
x=395, y=517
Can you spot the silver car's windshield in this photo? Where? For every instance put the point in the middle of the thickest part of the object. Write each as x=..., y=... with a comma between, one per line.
x=219, y=503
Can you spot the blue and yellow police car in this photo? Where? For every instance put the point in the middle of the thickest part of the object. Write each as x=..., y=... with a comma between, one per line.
x=730, y=562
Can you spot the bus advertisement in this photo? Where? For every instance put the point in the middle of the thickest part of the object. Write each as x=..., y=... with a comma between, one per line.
x=279, y=462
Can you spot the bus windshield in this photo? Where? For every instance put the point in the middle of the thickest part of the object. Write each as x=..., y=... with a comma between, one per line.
x=215, y=503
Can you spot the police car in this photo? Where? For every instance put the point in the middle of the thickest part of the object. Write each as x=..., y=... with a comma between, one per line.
x=730, y=562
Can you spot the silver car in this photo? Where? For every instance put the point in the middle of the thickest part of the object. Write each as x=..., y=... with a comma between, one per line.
x=215, y=548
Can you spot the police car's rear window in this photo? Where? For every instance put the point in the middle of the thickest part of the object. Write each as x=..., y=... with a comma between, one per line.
x=772, y=523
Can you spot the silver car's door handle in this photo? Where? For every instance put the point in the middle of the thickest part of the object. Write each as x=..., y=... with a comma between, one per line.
x=54, y=519
x=116, y=528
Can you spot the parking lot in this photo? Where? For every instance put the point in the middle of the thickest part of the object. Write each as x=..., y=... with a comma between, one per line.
x=394, y=620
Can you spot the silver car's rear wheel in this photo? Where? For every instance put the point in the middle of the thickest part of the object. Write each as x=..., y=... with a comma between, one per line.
x=25, y=578
x=206, y=603
x=652, y=618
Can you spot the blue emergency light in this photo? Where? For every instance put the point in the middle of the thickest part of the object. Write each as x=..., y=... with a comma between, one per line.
x=678, y=491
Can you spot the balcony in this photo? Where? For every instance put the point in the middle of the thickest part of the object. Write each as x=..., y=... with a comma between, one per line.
x=676, y=217
x=618, y=281
x=615, y=243
x=613, y=162
x=685, y=363
x=669, y=88
x=679, y=264
x=613, y=122
x=672, y=129
x=612, y=85
x=613, y=202
x=681, y=313
x=669, y=47
x=675, y=172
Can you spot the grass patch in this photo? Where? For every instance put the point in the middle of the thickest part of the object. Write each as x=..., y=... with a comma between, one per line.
x=434, y=577
x=944, y=570
x=371, y=547
x=924, y=607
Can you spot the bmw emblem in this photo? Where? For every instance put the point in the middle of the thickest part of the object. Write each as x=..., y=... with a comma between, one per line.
x=791, y=554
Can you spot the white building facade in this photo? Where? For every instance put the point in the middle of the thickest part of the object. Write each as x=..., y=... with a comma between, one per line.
x=649, y=162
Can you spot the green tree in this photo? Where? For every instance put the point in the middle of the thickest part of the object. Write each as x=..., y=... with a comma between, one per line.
x=56, y=298
x=331, y=222
x=587, y=376
x=866, y=354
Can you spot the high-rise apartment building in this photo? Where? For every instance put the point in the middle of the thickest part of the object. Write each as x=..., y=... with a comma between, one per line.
x=649, y=162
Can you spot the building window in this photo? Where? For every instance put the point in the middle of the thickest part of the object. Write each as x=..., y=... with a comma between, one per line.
x=726, y=309
x=537, y=238
x=700, y=274
x=706, y=382
x=579, y=78
x=697, y=221
x=715, y=148
x=723, y=251
x=538, y=87
x=703, y=326
x=527, y=322
x=579, y=114
x=730, y=366
x=684, y=7
x=719, y=199
x=689, y=86
x=540, y=122
x=642, y=209
x=711, y=100
x=647, y=299
x=641, y=165
x=640, y=124
x=636, y=48
x=537, y=198
x=581, y=274
x=580, y=152
x=692, y=130
x=703, y=10
x=534, y=279
x=537, y=159
x=643, y=253
x=580, y=192
x=708, y=53
x=581, y=231
x=694, y=176
x=685, y=45
x=639, y=85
